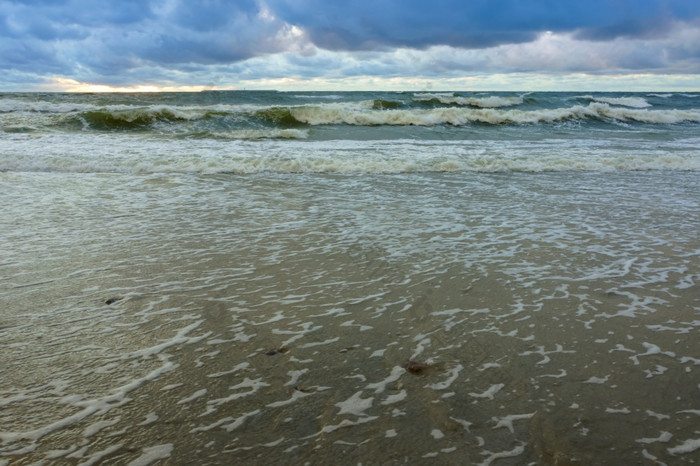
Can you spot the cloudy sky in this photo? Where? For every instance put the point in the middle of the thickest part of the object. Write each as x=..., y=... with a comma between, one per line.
x=350, y=44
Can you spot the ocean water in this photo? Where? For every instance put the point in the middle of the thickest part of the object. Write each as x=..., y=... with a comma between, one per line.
x=350, y=278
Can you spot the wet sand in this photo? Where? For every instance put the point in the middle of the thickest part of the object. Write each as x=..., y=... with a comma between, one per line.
x=211, y=320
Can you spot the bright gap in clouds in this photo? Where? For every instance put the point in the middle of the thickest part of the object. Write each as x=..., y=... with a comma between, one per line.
x=494, y=82
x=59, y=84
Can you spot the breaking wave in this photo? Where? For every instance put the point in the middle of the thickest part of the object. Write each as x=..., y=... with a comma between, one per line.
x=458, y=116
x=221, y=118
x=480, y=102
x=131, y=118
x=633, y=102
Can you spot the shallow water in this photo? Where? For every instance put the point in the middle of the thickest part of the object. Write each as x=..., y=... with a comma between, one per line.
x=211, y=319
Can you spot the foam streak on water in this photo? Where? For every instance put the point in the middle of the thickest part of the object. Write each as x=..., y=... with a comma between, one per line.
x=464, y=317
x=111, y=153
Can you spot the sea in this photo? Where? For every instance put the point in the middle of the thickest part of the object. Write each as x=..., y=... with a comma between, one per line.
x=350, y=278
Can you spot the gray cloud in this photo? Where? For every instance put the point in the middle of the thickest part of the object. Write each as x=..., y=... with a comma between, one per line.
x=181, y=41
x=474, y=23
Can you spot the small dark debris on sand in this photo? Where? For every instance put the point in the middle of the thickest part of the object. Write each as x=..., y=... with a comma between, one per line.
x=415, y=367
x=280, y=350
x=302, y=389
x=113, y=300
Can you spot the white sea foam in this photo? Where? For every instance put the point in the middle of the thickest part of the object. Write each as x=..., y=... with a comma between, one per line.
x=659, y=370
x=465, y=424
x=345, y=423
x=464, y=116
x=98, y=426
x=355, y=405
x=687, y=446
x=109, y=153
x=657, y=415
x=326, y=97
x=489, y=393
x=320, y=343
x=663, y=437
x=89, y=407
x=40, y=106
x=150, y=419
x=125, y=112
x=253, y=386
x=492, y=456
x=257, y=134
x=453, y=374
x=482, y=102
x=562, y=373
x=545, y=354
x=296, y=395
x=294, y=376
x=380, y=386
x=153, y=454
x=598, y=380
x=96, y=458
x=617, y=410
x=634, y=102
x=507, y=421
x=652, y=349
x=395, y=398
x=194, y=396
x=226, y=423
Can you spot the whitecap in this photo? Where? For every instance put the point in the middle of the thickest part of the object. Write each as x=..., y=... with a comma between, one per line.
x=480, y=102
x=634, y=102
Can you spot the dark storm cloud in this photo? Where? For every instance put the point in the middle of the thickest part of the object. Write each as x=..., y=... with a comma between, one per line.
x=118, y=42
x=109, y=37
x=476, y=23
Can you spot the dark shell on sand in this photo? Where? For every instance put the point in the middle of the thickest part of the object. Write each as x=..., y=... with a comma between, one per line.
x=415, y=367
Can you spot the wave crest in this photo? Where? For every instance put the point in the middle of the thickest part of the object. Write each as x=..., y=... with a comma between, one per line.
x=633, y=102
x=479, y=102
x=457, y=116
x=136, y=117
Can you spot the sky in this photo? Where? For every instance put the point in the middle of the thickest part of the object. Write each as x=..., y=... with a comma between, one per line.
x=161, y=45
